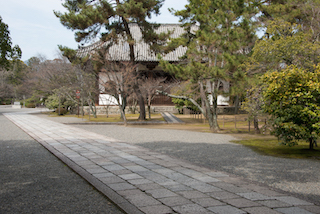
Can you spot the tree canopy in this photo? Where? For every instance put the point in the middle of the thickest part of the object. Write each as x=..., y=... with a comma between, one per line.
x=12, y=69
x=284, y=44
x=109, y=21
x=216, y=47
x=7, y=52
x=290, y=39
x=303, y=13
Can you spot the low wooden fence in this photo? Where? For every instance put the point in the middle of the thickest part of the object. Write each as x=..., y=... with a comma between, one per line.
x=239, y=122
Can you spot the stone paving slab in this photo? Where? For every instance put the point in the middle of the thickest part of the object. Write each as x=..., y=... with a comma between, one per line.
x=141, y=181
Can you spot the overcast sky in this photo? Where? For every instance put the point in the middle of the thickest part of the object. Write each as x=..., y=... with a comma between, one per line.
x=35, y=28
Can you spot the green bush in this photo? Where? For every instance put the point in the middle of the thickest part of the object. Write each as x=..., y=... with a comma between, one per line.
x=32, y=102
x=292, y=98
x=63, y=111
x=52, y=102
x=5, y=101
x=30, y=105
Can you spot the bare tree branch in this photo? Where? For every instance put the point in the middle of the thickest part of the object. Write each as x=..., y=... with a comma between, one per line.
x=184, y=98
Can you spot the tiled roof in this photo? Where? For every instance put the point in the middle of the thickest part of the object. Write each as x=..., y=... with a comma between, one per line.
x=120, y=51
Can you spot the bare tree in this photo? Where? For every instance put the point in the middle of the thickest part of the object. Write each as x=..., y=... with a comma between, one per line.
x=61, y=78
x=48, y=75
x=149, y=87
x=116, y=78
x=6, y=89
x=133, y=103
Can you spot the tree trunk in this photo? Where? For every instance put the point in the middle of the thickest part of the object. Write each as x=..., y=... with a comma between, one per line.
x=149, y=100
x=216, y=127
x=136, y=89
x=212, y=120
x=93, y=109
x=122, y=108
x=256, y=125
x=133, y=108
x=123, y=116
x=211, y=111
x=97, y=86
x=236, y=105
x=212, y=115
x=311, y=143
x=82, y=109
x=149, y=111
x=142, y=115
x=92, y=106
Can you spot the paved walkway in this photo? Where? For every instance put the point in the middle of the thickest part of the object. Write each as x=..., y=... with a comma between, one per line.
x=141, y=181
x=32, y=180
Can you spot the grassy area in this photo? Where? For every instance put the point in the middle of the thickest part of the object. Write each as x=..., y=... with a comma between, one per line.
x=271, y=146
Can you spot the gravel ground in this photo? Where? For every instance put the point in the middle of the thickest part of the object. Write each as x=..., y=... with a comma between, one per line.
x=34, y=181
x=300, y=177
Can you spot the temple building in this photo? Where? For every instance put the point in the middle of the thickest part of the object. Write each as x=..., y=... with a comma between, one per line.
x=146, y=59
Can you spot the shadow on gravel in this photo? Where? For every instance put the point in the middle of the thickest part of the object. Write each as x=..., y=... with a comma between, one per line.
x=242, y=161
x=35, y=181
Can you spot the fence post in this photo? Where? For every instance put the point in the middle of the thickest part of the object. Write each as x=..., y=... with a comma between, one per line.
x=249, y=124
x=235, y=121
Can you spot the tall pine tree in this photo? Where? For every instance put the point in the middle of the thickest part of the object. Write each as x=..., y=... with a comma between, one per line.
x=291, y=38
x=223, y=36
x=7, y=52
x=110, y=20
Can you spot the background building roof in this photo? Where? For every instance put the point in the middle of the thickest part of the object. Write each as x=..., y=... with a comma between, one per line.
x=120, y=51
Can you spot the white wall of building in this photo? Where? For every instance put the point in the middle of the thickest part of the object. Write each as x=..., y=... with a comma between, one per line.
x=222, y=100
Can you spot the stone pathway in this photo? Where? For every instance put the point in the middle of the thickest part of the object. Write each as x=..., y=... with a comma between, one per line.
x=141, y=181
